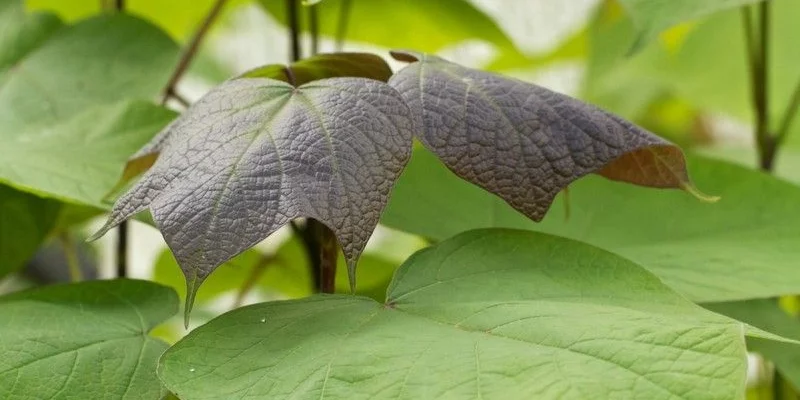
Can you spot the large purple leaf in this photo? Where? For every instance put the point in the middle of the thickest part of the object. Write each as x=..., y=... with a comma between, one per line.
x=255, y=153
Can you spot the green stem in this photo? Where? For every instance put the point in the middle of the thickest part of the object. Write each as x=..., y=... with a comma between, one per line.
x=294, y=29
x=71, y=254
x=788, y=116
x=313, y=27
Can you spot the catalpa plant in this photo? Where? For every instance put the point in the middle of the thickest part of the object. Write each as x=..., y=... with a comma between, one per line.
x=327, y=137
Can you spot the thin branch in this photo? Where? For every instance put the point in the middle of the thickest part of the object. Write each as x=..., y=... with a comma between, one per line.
x=191, y=50
x=788, y=116
x=757, y=47
x=344, y=20
x=294, y=29
x=313, y=27
x=255, y=274
x=119, y=5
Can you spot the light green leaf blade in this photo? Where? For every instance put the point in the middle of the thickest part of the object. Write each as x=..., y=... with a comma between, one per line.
x=744, y=246
x=423, y=25
x=767, y=315
x=67, y=115
x=20, y=33
x=83, y=340
x=80, y=159
x=492, y=314
x=25, y=221
x=654, y=16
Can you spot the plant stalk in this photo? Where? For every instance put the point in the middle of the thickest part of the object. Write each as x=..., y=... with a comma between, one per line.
x=313, y=27
x=344, y=20
x=292, y=16
x=328, y=252
x=255, y=274
x=190, y=51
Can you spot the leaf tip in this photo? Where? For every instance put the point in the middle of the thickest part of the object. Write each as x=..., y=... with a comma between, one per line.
x=191, y=293
x=688, y=187
x=351, y=276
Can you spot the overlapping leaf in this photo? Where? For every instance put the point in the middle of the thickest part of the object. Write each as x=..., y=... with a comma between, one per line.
x=526, y=143
x=83, y=341
x=493, y=314
x=67, y=131
x=255, y=153
x=321, y=66
x=421, y=24
x=743, y=247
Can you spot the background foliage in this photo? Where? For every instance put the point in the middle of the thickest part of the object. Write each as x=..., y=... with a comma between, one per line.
x=83, y=87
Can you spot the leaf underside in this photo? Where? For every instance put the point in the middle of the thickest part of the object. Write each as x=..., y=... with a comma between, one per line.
x=526, y=143
x=255, y=153
x=321, y=66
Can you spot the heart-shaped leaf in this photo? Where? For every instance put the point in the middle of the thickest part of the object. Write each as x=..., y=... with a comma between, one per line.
x=83, y=341
x=493, y=314
x=255, y=153
x=526, y=143
x=321, y=66
x=742, y=247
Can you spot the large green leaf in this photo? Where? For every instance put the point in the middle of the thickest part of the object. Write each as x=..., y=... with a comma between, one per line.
x=423, y=25
x=767, y=315
x=25, y=221
x=83, y=341
x=493, y=314
x=20, y=33
x=654, y=16
x=744, y=246
x=80, y=159
x=66, y=120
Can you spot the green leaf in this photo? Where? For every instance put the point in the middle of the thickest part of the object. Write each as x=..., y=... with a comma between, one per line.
x=20, y=33
x=65, y=115
x=83, y=340
x=424, y=25
x=744, y=246
x=179, y=18
x=331, y=65
x=653, y=16
x=80, y=159
x=488, y=314
x=25, y=221
x=767, y=315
